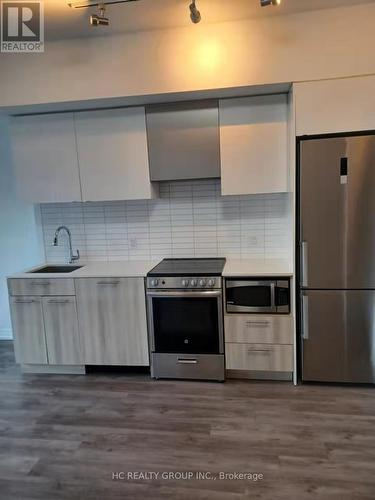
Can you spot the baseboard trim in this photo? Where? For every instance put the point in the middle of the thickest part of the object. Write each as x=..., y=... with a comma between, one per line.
x=54, y=369
x=6, y=334
x=259, y=375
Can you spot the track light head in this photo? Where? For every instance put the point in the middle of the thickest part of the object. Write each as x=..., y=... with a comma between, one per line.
x=99, y=19
x=265, y=3
x=195, y=15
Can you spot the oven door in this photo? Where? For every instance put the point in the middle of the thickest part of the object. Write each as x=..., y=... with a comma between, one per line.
x=250, y=296
x=186, y=322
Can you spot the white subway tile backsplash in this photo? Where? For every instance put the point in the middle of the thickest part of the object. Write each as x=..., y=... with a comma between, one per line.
x=190, y=219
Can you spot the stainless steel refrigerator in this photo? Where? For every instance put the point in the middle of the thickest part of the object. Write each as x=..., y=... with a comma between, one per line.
x=337, y=258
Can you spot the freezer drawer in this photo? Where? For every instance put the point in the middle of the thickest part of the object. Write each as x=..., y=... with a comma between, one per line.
x=338, y=335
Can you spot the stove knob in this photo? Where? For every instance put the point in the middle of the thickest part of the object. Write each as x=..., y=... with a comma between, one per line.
x=202, y=283
x=185, y=282
x=193, y=282
x=211, y=282
x=154, y=282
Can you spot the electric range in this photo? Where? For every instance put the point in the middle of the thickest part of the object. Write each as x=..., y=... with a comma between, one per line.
x=185, y=318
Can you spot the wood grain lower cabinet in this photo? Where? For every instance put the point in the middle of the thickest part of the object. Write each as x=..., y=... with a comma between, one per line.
x=61, y=330
x=259, y=346
x=41, y=286
x=112, y=321
x=28, y=329
x=259, y=357
x=262, y=329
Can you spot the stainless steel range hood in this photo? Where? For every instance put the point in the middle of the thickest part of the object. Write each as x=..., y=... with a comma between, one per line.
x=183, y=140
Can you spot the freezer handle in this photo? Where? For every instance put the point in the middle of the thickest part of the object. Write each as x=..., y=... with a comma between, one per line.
x=305, y=317
x=304, y=257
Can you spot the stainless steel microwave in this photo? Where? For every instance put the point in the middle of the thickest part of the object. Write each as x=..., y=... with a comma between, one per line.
x=257, y=295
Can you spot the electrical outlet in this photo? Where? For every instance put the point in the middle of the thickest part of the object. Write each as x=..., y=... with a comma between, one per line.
x=133, y=243
x=253, y=241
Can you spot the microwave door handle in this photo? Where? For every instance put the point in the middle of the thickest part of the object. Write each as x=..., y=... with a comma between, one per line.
x=273, y=296
x=245, y=284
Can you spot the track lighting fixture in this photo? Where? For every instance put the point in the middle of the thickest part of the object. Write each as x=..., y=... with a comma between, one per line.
x=265, y=3
x=99, y=19
x=195, y=15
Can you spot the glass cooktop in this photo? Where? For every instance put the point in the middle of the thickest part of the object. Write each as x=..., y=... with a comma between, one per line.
x=189, y=267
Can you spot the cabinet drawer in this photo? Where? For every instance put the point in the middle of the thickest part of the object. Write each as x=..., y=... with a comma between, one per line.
x=259, y=357
x=258, y=329
x=41, y=286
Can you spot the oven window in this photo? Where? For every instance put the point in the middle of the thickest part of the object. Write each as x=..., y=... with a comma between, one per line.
x=186, y=325
x=249, y=296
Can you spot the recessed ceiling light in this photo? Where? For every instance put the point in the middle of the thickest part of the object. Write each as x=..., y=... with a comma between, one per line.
x=265, y=3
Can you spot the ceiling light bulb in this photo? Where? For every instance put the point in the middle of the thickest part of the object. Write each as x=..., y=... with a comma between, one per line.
x=265, y=3
x=195, y=15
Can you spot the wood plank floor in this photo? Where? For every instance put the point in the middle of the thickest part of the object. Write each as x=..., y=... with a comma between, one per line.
x=62, y=437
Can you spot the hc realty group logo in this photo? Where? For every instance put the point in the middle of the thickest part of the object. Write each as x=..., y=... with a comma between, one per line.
x=22, y=26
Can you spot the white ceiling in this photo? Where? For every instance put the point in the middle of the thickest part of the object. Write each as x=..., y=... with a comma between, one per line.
x=61, y=21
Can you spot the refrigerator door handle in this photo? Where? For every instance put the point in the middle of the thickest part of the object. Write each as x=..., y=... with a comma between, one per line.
x=304, y=261
x=305, y=317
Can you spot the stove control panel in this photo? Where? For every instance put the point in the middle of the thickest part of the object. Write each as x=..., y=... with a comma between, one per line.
x=185, y=283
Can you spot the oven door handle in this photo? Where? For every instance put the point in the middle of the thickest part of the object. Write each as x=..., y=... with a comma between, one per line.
x=182, y=294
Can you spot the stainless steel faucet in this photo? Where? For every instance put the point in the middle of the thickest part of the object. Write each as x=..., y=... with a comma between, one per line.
x=56, y=239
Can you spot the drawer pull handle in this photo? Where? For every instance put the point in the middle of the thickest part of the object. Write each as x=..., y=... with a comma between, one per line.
x=255, y=351
x=109, y=283
x=20, y=301
x=41, y=283
x=257, y=323
x=187, y=361
x=58, y=301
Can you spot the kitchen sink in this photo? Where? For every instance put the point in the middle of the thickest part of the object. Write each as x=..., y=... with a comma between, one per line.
x=56, y=269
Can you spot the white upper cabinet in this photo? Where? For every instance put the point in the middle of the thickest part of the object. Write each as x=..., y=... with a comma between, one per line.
x=112, y=153
x=253, y=144
x=331, y=106
x=45, y=158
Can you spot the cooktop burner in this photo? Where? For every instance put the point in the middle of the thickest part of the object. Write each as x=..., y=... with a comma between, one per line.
x=188, y=267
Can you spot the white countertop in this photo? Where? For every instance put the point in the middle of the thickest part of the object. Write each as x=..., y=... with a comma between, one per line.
x=125, y=269
x=257, y=267
x=140, y=268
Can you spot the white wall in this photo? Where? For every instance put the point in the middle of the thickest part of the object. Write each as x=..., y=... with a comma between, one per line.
x=314, y=45
x=190, y=219
x=20, y=233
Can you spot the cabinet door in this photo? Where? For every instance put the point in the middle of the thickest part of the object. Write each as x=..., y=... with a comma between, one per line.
x=45, y=158
x=61, y=328
x=338, y=105
x=112, y=321
x=28, y=329
x=113, y=156
x=253, y=145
